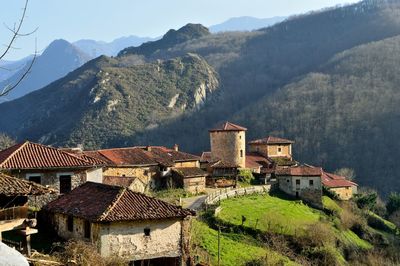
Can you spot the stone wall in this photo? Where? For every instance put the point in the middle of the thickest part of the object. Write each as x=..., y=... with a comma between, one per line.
x=187, y=164
x=271, y=150
x=127, y=239
x=304, y=190
x=51, y=179
x=344, y=193
x=229, y=146
x=59, y=223
x=148, y=175
x=195, y=184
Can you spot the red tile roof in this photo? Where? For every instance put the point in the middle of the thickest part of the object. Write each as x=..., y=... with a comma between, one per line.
x=302, y=170
x=221, y=164
x=189, y=171
x=254, y=160
x=12, y=186
x=136, y=156
x=103, y=203
x=121, y=181
x=334, y=181
x=28, y=155
x=227, y=126
x=205, y=156
x=271, y=140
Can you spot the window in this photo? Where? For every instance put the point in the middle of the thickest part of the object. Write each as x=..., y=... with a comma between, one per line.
x=70, y=223
x=65, y=183
x=241, y=153
x=87, y=229
x=297, y=181
x=147, y=232
x=311, y=183
x=35, y=178
x=287, y=180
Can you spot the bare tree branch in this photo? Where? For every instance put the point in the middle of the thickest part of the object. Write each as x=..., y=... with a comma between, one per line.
x=15, y=34
x=16, y=31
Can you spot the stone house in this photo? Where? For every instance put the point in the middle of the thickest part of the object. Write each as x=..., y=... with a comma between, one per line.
x=303, y=182
x=150, y=165
x=192, y=179
x=14, y=193
x=343, y=188
x=48, y=166
x=123, y=223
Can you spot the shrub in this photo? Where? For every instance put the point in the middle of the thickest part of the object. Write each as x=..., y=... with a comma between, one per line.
x=246, y=176
x=84, y=253
x=318, y=235
x=393, y=203
x=367, y=200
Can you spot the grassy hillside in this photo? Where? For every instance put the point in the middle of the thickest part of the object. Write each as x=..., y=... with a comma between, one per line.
x=277, y=231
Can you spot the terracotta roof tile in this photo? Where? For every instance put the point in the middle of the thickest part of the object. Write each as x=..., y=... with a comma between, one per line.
x=221, y=164
x=332, y=181
x=30, y=155
x=134, y=156
x=299, y=171
x=190, y=171
x=205, y=156
x=227, y=126
x=12, y=186
x=121, y=181
x=271, y=140
x=104, y=203
x=254, y=160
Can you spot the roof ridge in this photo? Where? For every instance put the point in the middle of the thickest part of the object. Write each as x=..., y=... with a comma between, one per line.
x=114, y=203
x=69, y=154
x=14, y=152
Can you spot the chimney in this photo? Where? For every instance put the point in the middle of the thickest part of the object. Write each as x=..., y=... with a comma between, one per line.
x=176, y=147
x=148, y=148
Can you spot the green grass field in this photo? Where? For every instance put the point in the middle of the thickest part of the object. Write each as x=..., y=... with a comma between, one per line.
x=236, y=249
x=269, y=213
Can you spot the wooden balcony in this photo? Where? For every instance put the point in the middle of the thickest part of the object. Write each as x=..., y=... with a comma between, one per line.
x=14, y=213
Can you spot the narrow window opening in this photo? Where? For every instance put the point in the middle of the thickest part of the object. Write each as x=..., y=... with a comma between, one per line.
x=297, y=181
x=87, y=229
x=241, y=153
x=36, y=178
x=65, y=183
x=311, y=182
x=147, y=232
x=70, y=223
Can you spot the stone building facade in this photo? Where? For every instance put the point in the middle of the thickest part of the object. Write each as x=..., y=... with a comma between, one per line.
x=137, y=228
x=342, y=188
x=48, y=166
x=272, y=147
x=228, y=144
x=303, y=182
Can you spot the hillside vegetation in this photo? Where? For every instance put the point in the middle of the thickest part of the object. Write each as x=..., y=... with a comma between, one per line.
x=281, y=231
x=104, y=101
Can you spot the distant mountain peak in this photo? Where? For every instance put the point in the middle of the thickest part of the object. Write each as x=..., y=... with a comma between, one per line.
x=172, y=37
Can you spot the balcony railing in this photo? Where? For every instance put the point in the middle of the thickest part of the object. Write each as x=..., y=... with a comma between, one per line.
x=20, y=212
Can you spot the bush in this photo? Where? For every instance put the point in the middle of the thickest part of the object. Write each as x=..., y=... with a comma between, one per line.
x=84, y=253
x=318, y=235
x=246, y=176
x=393, y=203
x=366, y=201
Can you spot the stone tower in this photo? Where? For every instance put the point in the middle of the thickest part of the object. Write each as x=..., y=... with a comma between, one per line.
x=228, y=143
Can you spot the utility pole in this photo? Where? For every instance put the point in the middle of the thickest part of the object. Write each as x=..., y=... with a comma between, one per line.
x=219, y=244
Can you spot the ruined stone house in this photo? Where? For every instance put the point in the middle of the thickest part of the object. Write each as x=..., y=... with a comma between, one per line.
x=123, y=223
x=50, y=167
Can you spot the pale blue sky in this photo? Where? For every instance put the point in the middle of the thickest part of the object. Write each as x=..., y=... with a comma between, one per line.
x=109, y=19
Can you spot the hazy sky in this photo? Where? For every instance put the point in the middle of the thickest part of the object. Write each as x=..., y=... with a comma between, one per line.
x=109, y=19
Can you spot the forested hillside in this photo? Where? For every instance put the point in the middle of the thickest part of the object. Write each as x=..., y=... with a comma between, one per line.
x=105, y=100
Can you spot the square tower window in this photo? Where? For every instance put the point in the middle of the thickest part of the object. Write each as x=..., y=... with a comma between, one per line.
x=146, y=231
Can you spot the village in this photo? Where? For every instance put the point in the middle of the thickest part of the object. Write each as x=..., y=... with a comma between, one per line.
x=104, y=196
